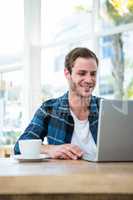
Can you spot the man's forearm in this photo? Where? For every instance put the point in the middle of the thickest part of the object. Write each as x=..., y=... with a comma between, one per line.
x=66, y=151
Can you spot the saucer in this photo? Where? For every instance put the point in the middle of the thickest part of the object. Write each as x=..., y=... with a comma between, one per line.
x=41, y=157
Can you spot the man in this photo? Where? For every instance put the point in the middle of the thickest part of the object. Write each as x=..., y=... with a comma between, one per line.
x=69, y=122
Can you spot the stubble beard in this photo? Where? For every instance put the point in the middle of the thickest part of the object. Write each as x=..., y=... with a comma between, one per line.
x=83, y=100
x=74, y=89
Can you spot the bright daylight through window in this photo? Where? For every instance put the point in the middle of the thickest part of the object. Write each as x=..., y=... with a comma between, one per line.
x=116, y=46
x=65, y=25
x=11, y=74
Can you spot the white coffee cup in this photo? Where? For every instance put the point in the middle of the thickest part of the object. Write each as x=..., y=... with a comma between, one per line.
x=30, y=148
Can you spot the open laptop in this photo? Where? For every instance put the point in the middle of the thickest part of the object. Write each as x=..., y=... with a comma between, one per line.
x=115, y=131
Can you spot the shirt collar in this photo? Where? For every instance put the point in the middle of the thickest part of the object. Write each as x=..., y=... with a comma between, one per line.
x=64, y=105
x=93, y=107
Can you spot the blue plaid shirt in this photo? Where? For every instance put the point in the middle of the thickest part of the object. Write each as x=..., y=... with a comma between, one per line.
x=54, y=121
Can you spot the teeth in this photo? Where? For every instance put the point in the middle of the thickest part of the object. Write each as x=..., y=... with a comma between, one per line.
x=89, y=87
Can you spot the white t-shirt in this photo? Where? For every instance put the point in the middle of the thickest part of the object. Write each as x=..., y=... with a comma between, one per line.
x=83, y=138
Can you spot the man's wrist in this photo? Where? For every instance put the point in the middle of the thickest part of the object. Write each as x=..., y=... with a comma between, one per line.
x=45, y=148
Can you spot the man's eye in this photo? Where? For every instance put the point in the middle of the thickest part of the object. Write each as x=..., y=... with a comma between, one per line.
x=93, y=73
x=82, y=73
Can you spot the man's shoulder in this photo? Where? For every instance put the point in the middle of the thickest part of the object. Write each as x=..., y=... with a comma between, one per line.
x=54, y=102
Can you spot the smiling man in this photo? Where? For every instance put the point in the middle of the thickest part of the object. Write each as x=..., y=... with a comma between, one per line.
x=70, y=122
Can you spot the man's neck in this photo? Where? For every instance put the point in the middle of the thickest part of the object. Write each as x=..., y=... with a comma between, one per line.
x=79, y=105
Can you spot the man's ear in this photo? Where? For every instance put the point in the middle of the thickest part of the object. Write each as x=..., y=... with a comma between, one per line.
x=67, y=73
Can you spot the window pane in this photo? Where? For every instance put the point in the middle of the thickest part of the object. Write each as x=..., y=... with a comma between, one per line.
x=65, y=20
x=53, y=80
x=10, y=105
x=115, y=12
x=11, y=31
x=65, y=25
x=116, y=77
x=11, y=58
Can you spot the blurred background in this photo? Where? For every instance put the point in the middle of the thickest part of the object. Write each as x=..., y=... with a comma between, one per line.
x=35, y=36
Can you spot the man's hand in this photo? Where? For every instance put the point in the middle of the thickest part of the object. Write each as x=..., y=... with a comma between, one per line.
x=64, y=151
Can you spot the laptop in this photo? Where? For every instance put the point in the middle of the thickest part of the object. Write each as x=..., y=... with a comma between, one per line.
x=115, y=131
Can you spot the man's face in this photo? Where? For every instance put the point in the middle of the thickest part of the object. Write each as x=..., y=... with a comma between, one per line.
x=82, y=80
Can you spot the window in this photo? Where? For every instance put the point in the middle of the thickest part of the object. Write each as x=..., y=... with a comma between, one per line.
x=10, y=105
x=115, y=13
x=65, y=25
x=115, y=46
x=11, y=69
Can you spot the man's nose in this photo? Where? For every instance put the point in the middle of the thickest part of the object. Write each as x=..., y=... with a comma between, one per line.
x=88, y=79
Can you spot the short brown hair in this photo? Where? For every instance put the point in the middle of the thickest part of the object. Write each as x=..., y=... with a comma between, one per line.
x=78, y=52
